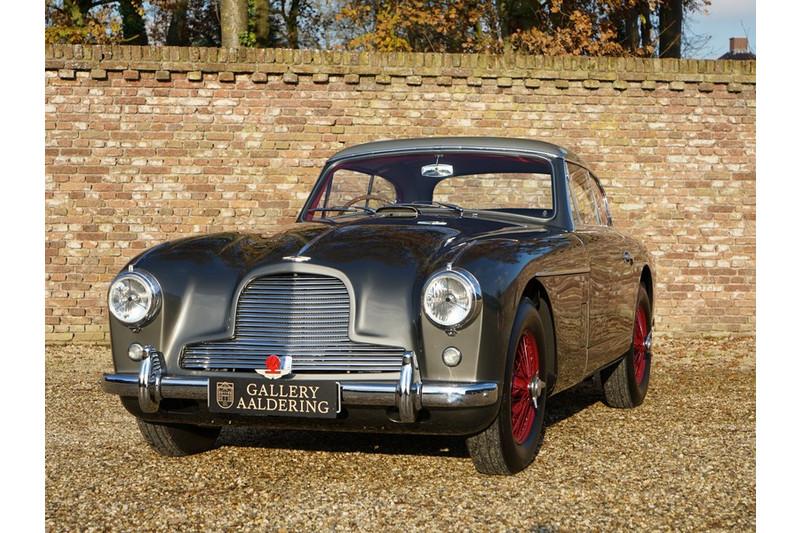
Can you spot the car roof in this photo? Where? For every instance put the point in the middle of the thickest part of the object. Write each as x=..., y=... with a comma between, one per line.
x=454, y=143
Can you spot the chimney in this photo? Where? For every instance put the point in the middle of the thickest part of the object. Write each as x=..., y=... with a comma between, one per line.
x=739, y=45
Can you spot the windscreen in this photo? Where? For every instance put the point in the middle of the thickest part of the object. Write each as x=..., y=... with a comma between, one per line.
x=469, y=180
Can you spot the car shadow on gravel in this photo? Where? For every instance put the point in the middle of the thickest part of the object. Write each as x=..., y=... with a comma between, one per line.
x=560, y=407
x=572, y=401
x=344, y=442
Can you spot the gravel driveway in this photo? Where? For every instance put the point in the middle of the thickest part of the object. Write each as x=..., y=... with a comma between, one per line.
x=685, y=460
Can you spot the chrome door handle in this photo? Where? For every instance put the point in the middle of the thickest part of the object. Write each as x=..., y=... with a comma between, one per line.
x=627, y=257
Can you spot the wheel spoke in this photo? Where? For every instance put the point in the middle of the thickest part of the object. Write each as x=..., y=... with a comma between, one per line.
x=517, y=419
x=519, y=388
x=518, y=406
x=526, y=367
x=639, y=350
x=520, y=420
x=522, y=358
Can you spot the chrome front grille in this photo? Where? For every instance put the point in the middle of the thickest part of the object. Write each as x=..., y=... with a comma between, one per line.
x=305, y=316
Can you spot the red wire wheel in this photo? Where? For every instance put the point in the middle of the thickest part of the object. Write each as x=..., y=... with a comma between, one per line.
x=639, y=349
x=526, y=368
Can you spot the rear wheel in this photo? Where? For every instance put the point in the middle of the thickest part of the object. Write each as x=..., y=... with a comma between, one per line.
x=625, y=383
x=176, y=440
x=512, y=441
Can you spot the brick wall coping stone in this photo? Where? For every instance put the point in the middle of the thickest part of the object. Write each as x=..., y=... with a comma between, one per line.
x=170, y=59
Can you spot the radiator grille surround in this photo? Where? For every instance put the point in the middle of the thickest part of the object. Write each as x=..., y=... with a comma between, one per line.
x=305, y=316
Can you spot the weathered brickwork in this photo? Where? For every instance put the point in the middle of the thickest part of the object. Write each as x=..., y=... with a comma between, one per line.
x=149, y=144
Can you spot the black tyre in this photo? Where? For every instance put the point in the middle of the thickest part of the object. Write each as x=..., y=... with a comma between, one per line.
x=512, y=441
x=625, y=383
x=176, y=440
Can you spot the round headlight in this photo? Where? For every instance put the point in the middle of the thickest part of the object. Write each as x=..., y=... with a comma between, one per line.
x=451, y=298
x=134, y=297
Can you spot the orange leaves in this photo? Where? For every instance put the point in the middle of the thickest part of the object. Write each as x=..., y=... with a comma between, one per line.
x=579, y=37
x=422, y=26
x=578, y=27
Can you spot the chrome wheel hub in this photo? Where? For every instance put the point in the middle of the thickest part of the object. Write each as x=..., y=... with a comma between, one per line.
x=535, y=388
x=648, y=342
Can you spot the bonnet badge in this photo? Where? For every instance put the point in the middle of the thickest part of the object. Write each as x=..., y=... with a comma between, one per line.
x=276, y=367
x=296, y=258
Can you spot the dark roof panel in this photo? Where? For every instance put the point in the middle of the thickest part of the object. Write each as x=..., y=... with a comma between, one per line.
x=738, y=56
x=467, y=143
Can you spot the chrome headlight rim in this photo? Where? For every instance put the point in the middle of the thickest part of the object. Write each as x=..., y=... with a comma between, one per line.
x=151, y=284
x=473, y=288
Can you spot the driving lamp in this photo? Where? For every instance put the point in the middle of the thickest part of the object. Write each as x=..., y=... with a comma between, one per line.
x=451, y=356
x=136, y=351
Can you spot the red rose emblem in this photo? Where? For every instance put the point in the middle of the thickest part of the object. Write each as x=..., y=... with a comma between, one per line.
x=273, y=363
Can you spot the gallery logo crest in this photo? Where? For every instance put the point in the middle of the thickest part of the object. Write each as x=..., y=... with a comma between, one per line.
x=225, y=394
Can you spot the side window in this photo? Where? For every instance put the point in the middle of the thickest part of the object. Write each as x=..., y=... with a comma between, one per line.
x=584, y=202
x=602, y=204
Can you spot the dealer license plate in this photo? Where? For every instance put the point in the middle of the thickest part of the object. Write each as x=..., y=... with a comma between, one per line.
x=257, y=396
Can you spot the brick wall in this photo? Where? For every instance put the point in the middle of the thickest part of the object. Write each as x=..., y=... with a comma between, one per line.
x=149, y=144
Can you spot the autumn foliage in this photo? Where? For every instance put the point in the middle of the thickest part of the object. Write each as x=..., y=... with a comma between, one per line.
x=551, y=27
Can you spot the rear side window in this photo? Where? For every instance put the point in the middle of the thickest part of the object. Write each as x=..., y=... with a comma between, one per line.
x=585, y=206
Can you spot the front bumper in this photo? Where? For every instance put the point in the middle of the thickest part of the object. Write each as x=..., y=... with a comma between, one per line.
x=408, y=394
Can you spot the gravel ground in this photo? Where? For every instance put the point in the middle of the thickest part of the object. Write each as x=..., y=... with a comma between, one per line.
x=685, y=460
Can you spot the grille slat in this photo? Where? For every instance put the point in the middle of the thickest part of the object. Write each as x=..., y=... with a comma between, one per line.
x=258, y=362
x=303, y=315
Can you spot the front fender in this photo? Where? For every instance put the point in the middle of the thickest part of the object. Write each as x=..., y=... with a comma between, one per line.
x=505, y=269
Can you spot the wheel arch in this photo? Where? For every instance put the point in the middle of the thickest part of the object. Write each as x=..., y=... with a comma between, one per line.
x=536, y=292
x=646, y=279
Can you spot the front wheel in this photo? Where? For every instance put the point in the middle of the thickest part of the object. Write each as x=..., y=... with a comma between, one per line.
x=176, y=440
x=512, y=441
x=625, y=383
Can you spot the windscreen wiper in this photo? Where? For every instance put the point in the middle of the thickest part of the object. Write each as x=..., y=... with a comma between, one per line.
x=433, y=203
x=349, y=208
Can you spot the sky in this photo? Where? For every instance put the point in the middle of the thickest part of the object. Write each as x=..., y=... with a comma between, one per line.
x=720, y=21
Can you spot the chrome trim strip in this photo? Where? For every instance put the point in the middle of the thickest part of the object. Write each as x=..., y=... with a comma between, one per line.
x=565, y=272
x=437, y=395
x=369, y=393
x=453, y=395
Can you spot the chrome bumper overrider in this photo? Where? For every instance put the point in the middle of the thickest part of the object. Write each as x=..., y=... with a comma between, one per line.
x=409, y=394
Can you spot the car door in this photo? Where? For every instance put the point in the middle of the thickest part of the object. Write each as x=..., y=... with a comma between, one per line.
x=610, y=269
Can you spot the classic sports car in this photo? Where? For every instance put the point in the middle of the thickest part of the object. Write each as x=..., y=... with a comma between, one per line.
x=429, y=286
